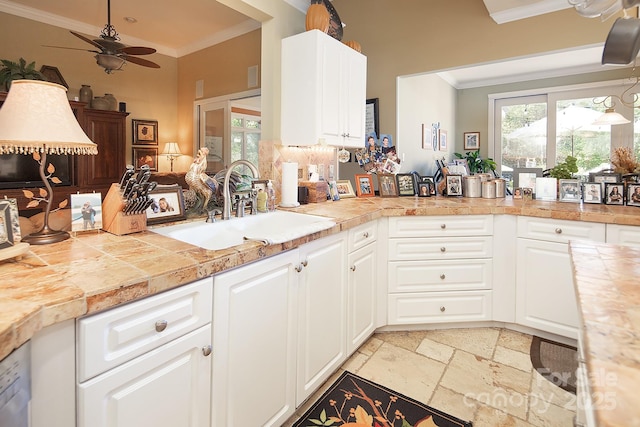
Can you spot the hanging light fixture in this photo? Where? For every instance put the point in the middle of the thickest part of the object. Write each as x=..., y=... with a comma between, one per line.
x=628, y=98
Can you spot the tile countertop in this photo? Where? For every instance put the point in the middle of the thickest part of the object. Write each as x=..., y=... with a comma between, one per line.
x=607, y=286
x=97, y=270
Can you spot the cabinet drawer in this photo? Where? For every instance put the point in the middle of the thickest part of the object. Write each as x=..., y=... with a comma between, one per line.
x=446, y=275
x=561, y=231
x=441, y=226
x=362, y=235
x=439, y=248
x=111, y=338
x=627, y=235
x=439, y=307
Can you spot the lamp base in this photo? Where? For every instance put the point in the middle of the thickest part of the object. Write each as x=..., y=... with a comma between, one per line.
x=46, y=236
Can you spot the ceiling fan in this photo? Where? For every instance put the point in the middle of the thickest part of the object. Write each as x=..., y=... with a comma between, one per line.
x=111, y=54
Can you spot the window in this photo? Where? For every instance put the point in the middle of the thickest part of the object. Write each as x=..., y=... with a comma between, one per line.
x=245, y=136
x=539, y=130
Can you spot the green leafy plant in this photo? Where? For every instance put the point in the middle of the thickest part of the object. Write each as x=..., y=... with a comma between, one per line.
x=476, y=163
x=564, y=170
x=11, y=71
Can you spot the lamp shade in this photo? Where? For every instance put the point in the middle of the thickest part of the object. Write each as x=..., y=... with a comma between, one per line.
x=610, y=117
x=37, y=117
x=171, y=149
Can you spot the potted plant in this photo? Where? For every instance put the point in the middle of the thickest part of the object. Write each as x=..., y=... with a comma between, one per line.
x=476, y=163
x=11, y=71
x=564, y=170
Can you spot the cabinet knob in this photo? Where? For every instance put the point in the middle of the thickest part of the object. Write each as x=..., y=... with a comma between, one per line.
x=442, y=309
x=443, y=249
x=365, y=234
x=558, y=230
x=353, y=268
x=442, y=276
x=443, y=226
x=161, y=325
x=299, y=268
x=206, y=350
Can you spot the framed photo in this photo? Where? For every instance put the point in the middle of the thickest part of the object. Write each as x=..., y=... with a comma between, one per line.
x=526, y=177
x=517, y=193
x=614, y=193
x=633, y=195
x=259, y=184
x=86, y=212
x=387, y=185
x=406, y=184
x=364, y=185
x=345, y=189
x=391, y=167
x=168, y=204
x=424, y=189
x=145, y=132
x=592, y=192
x=145, y=156
x=603, y=177
x=333, y=191
x=372, y=120
x=546, y=189
x=15, y=219
x=569, y=190
x=471, y=140
x=442, y=139
x=527, y=193
x=6, y=227
x=429, y=180
x=454, y=185
x=459, y=167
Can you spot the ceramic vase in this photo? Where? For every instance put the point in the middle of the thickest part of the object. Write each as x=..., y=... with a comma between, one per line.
x=113, y=102
x=86, y=94
x=99, y=103
x=317, y=18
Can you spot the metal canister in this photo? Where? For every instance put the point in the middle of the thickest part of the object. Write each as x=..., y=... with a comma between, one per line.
x=484, y=176
x=501, y=187
x=471, y=186
x=488, y=190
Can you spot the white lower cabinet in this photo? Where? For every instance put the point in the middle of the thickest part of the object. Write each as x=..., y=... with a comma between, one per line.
x=280, y=327
x=162, y=351
x=627, y=235
x=440, y=269
x=545, y=298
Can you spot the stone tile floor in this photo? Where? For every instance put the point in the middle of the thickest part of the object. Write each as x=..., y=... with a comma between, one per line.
x=483, y=375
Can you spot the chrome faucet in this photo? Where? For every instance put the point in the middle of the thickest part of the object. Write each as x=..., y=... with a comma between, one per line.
x=226, y=208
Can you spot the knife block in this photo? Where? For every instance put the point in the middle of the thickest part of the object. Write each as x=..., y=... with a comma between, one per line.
x=114, y=220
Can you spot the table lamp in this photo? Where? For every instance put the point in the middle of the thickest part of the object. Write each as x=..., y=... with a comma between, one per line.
x=36, y=119
x=172, y=151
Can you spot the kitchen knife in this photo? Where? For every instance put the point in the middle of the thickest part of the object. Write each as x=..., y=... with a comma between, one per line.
x=128, y=173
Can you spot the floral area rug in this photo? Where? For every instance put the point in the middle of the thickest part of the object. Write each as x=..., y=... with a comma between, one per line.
x=353, y=401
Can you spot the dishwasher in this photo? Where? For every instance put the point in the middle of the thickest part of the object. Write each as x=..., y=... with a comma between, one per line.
x=15, y=387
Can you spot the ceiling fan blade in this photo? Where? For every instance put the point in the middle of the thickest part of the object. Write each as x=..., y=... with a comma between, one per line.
x=143, y=62
x=137, y=50
x=71, y=48
x=88, y=40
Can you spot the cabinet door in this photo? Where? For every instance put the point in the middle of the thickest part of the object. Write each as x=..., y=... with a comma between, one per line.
x=354, y=98
x=361, y=299
x=627, y=235
x=254, y=319
x=321, y=312
x=545, y=298
x=331, y=99
x=107, y=130
x=166, y=387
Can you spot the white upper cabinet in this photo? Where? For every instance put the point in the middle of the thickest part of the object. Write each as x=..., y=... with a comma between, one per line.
x=323, y=91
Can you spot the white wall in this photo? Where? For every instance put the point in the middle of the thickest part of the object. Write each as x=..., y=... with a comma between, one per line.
x=424, y=99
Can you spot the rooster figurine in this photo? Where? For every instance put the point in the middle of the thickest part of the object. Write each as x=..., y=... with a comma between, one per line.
x=203, y=186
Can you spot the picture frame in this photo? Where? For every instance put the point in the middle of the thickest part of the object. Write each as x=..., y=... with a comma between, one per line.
x=459, y=167
x=431, y=182
x=86, y=212
x=569, y=190
x=333, y=191
x=527, y=193
x=15, y=219
x=391, y=167
x=158, y=212
x=442, y=139
x=471, y=140
x=633, y=195
x=546, y=189
x=259, y=184
x=145, y=156
x=526, y=177
x=604, y=177
x=345, y=189
x=387, y=185
x=372, y=119
x=6, y=227
x=592, y=192
x=424, y=189
x=145, y=132
x=406, y=184
x=517, y=193
x=614, y=193
x=454, y=185
x=364, y=185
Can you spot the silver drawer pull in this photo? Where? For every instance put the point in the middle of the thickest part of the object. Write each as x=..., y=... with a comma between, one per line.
x=161, y=325
x=206, y=350
x=442, y=276
x=442, y=309
x=353, y=268
x=443, y=226
x=558, y=230
x=443, y=249
x=365, y=234
x=305, y=263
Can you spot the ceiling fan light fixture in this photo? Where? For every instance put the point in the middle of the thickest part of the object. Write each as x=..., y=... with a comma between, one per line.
x=110, y=63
